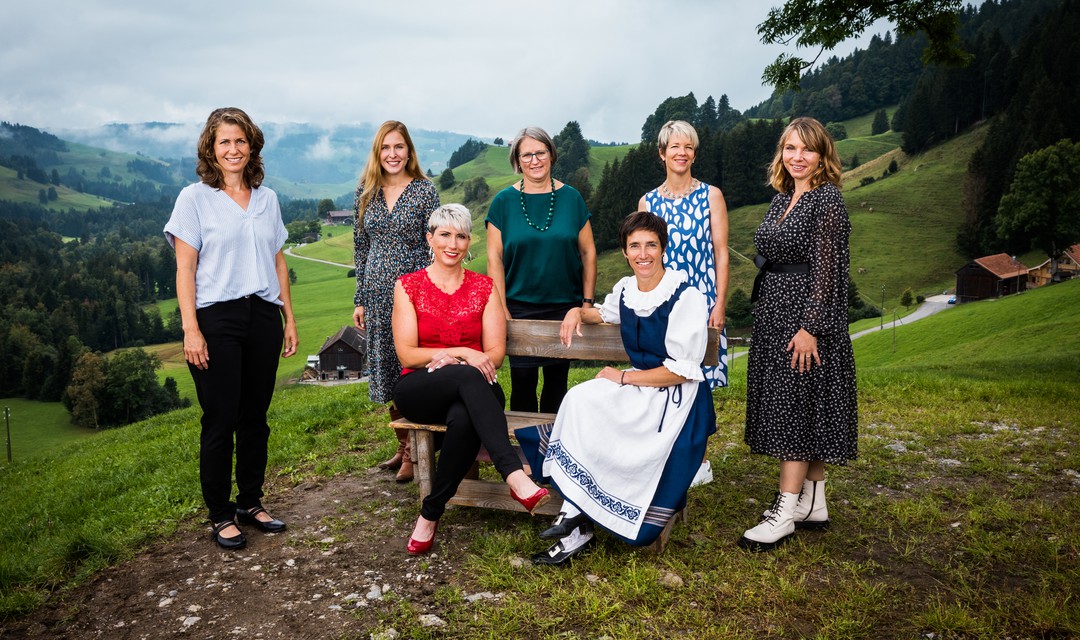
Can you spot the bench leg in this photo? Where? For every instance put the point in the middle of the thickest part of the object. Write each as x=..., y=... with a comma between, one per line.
x=660, y=543
x=423, y=452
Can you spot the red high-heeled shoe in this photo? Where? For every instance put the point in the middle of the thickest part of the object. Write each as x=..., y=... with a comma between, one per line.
x=534, y=501
x=417, y=548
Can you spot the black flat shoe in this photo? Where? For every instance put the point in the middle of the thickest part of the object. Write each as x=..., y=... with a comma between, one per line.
x=247, y=516
x=229, y=544
x=563, y=526
x=560, y=553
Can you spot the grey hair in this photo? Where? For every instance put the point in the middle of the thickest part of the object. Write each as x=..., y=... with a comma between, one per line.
x=675, y=128
x=454, y=215
x=536, y=133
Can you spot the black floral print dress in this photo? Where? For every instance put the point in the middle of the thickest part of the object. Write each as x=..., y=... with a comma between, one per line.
x=813, y=415
x=388, y=244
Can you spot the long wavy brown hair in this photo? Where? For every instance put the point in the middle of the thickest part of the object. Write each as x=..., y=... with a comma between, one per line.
x=371, y=178
x=208, y=169
x=816, y=139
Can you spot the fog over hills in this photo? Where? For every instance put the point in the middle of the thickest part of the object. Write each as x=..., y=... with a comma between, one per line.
x=300, y=152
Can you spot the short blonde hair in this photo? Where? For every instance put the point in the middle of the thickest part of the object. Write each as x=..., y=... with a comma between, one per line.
x=536, y=133
x=673, y=128
x=452, y=215
x=817, y=139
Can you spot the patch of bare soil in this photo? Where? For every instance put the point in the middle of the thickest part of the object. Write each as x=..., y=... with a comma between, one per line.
x=338, y=570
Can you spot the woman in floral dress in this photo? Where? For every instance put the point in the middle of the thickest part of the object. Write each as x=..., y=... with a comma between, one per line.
x=393, y=202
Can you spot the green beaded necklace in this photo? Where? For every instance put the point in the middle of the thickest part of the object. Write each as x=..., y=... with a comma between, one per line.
x=551, y=207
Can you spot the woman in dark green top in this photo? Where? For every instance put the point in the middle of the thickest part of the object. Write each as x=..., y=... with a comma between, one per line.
x=542, y=259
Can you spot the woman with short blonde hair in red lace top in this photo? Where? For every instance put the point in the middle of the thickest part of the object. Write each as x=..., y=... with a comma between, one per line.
x=450, y=335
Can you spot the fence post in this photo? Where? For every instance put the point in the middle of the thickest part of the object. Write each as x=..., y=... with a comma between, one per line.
x=7, y=425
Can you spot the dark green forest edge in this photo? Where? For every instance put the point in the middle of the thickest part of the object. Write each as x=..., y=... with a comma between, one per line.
x=77, y=282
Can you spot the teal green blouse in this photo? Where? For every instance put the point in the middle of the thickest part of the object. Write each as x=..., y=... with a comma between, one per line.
x=541, y=267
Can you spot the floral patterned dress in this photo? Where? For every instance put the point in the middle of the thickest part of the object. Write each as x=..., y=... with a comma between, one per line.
x=387, y=245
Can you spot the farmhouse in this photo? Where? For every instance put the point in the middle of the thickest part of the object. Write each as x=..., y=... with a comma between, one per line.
x=339, y=217
x=990, y=277
x=1068, y=267
x=344, y=355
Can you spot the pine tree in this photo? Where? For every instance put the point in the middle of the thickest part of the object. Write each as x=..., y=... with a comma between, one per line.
x=880, y=124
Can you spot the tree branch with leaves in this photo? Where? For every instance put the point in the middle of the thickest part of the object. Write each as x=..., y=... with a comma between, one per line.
x=827, y=23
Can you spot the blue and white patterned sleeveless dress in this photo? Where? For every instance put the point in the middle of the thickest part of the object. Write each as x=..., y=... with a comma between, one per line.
x=690, y=249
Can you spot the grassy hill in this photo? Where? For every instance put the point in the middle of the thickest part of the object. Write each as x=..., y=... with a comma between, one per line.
x=89, y=164
x=959, y=518
x=26, y=191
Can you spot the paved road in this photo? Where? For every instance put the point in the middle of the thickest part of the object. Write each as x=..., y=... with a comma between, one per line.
x=289, y=252
x=932, y=305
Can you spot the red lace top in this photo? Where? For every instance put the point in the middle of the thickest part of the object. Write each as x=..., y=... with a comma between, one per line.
x=448, y=319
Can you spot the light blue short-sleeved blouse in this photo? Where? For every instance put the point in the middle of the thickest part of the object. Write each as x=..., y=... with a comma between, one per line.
x=236, y=247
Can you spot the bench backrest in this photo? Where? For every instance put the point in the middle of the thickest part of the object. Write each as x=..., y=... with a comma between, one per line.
x=597, y=342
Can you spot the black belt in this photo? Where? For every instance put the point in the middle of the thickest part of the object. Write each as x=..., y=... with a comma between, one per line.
x=764, y=264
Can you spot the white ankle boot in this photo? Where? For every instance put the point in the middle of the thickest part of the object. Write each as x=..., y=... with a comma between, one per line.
x=811, y=512
x=777, y=525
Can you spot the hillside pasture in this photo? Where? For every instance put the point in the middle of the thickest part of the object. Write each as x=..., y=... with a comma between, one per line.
x=26, y=191
x=38, y=428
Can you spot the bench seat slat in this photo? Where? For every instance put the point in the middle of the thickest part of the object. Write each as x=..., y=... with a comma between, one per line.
x=540, y=338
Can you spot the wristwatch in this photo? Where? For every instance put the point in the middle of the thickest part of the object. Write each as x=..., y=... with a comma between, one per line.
x=589, y=300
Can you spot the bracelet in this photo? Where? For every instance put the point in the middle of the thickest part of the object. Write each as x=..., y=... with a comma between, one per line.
x=622, y=378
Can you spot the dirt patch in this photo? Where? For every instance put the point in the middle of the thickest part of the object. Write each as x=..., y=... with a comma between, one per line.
x=340, y=570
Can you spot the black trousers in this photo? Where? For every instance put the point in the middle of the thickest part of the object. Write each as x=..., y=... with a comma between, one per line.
x=243, y=338
x=523, y=383
x=525, y=370
x=473, y=413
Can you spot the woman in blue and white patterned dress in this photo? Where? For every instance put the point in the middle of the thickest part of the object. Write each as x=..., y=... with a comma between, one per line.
x=696, y=215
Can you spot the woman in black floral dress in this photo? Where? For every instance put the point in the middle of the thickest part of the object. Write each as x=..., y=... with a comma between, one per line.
x=800, y=387
x=393, y=202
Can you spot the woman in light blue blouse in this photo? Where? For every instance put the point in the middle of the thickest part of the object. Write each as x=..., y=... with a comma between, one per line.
x=232, y=286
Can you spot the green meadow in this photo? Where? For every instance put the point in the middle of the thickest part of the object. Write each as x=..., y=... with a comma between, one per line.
x=26, y=191
x=36, y=428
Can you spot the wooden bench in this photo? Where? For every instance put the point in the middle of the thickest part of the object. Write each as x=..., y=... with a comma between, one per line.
x=598, y=342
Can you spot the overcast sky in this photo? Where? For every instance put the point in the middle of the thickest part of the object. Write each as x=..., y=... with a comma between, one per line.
x=485, y=67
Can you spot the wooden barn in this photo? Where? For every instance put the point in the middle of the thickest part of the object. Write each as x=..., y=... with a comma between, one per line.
x=990, y=277
x=339, y=217
x=1068, y=266
x=344, y=355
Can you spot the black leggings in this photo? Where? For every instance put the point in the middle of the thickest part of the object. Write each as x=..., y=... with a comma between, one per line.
x=472, y=410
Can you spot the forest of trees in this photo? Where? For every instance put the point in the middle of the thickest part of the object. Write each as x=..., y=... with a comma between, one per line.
x=469, y=150
x=1039, y=99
